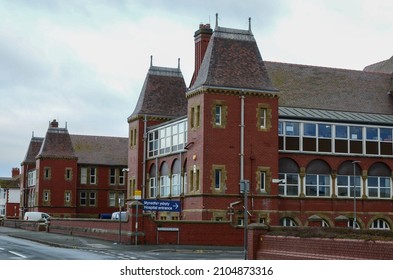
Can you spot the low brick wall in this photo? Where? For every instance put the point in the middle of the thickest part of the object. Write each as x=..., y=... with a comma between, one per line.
x=149, y=232
x=95, y=228
x=27, y=225
x=266, y=244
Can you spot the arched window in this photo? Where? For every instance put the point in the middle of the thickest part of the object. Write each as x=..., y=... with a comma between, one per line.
x=176, y=178
x=380, y=224
x=318, y=179
x=348, y=175
x=287, y=222
x=379, y=181
x=350, y=224
x=289, y=173
x=153, y=181
x=164, y=180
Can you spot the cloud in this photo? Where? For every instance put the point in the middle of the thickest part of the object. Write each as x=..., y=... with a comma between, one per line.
x=84, y=62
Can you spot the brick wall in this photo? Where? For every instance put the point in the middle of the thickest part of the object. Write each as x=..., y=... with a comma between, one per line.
x=280, y=247
x=187, y=232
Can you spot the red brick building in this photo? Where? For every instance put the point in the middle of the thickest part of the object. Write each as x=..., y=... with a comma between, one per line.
x=304, y=137
x=73, y=175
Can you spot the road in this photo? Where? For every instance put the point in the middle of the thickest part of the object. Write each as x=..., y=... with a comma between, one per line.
x=17, y=244
x=18, y=249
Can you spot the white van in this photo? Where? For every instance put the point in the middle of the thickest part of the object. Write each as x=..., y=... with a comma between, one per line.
x=115, y=216
x=36, y=216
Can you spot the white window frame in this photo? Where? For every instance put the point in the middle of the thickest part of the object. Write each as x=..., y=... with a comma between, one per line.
x=287, y=183
x=164, y=186
x=112, y=199
x=83, y=197
x=288, y=222
x=217, y=178
x=218, y=114
x=152, y=187
x=318, y=185
x=176, y=185
x=262, y=181
x=378, y=188
x=380, y=224
x=93, y=176
x=262, y=117
x=112, y=176
x=83, y=176
x=349, y=186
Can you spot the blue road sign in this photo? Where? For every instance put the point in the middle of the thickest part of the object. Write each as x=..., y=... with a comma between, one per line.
x=161, y=205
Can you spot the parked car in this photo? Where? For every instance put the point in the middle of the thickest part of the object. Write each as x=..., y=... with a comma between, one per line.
x=37, y=216
x=115, y=216
x=106, y=216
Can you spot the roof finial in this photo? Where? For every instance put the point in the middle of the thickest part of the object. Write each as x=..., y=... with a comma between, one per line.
x=216, y=20
x=151, y=61
x=32, y=134
x=249, y=24
x=178, y=63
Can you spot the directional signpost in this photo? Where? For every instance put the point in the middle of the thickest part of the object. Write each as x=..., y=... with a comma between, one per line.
x=161, y=205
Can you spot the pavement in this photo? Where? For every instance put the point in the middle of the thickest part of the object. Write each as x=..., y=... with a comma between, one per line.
x=76, y=242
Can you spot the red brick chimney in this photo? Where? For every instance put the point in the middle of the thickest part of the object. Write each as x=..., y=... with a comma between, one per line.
x=202, y=37
x=15, y=172
x=54, y=123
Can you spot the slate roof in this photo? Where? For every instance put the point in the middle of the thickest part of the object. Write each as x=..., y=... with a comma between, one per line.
x=163, y=94
x=57, y=144
x=334, y=116
x=385, y=66
x=233, y=60
x=9, y=183
x=97, y=150
x=323, y=88
x=33, y=150
x=100, y=150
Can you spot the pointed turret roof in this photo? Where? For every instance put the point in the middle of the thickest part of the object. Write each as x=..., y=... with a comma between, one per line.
x=233, y=60
x=163, y=94
x=33, y=150
x=57, y=143
x=385, y=66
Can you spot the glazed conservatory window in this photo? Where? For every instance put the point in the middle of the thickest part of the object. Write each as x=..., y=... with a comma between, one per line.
x=167, y=139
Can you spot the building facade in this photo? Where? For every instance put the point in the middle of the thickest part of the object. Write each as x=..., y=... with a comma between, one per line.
x=68, y=175
x=9, y=195
x=313, y=143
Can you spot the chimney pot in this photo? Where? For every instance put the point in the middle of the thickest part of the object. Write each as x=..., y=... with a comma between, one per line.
x=54, y=123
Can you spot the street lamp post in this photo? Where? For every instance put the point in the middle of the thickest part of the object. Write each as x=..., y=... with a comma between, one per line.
x=354, y=193
x=119, y=220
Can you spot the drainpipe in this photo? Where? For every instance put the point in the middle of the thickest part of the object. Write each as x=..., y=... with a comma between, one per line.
x=242, y=174
x=143, y=176
x=242, y=137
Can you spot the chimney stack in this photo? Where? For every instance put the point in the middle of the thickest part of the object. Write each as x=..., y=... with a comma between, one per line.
x=202, y=38
x=54, y=124
x=15, y=172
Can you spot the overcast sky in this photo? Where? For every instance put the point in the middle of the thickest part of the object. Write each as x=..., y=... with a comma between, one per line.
x=84, y=62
